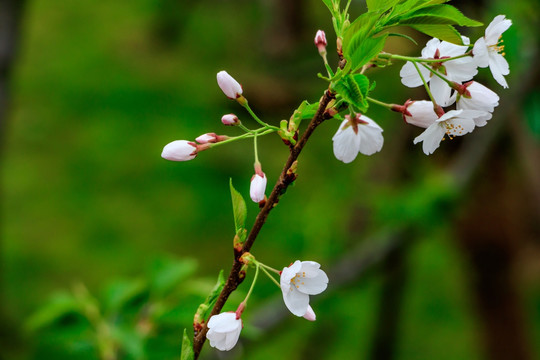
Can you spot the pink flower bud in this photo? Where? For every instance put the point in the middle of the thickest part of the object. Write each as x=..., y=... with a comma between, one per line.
x=179, y=150
x=310, y=314
x=320, y=41
x=258, y=187
x=230, y=120
x=230, y=87
x=207, y=138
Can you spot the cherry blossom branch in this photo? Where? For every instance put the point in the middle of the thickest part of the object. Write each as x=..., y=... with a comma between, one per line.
x=287, y=176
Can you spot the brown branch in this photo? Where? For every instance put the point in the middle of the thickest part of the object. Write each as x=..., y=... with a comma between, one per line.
x=286, y=178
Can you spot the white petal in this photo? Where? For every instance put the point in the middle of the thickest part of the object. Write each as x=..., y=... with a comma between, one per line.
x=371, y=139
x=409, y=75
x=313, y=285
x=310, y=314
x=257, y=188
x=460, y=126
x=496, y=28
x=461, y=70
x=310, y=268
x=440, y=90
x=288, y=273
x=451, y=50
x=499, y=67
x=431, y=138
x=179, y=150
x=480, y=53
x=223, y=322
x=346, y=143
x=296, y=301
x=231, y=339
x=422, y=114
x=431, y=47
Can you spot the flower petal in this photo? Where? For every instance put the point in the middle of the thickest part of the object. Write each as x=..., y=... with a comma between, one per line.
x=409, y=75
x=480, y=53
x=313, y=285
x=440, y=90
x=296, y=301
x=495, y=29
x=346, y=143
x=371, y=139
x=224, y=322
x=431, y=138
x=499, y=67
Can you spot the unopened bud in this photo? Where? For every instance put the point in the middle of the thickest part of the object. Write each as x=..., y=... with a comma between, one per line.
x=207, y=138
x=230, y=87
x=230, y=120
x=258, y=184
x=320, y=41
x=180, y=150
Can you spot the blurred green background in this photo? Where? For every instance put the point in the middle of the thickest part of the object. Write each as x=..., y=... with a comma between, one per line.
x=98, y=88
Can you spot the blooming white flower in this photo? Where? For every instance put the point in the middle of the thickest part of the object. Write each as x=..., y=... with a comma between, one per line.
x=358, y=134
x=224, y=330
x=230, y=120
x=207, y=138
x=298, y=281
x=487, y=50
x=420, y=113
x=258, y=187
x=230, y=87
x=180, y=150
x=453, y=123
x=320, y=41
x=459, y=70
x=310, y=314
x=475, y=96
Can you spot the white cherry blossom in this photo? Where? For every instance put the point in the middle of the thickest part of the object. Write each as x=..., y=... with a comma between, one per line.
x=489, y=51
x=258, y=187
x=224, y=330
x=298, y=281
x=475, y=96
x=453, y=123
x=230, y=120
x=459, y=70
x=358, y=134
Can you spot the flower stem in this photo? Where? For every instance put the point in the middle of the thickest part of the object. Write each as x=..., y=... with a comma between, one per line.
x=252, y=284
x=450, y=83
x=425, y=84
x=270, y=268
x=256, y=118
x=422, y=60
x=270, y=276
x=375, y=101
x=255, y=149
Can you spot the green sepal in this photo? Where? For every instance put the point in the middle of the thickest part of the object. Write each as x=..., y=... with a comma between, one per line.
x=187, y=348
x=239, y=208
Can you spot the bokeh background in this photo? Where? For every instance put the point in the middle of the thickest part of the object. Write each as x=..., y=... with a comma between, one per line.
x=429, y=257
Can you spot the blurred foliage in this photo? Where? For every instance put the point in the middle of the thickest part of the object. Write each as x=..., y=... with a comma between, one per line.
x=100, y=87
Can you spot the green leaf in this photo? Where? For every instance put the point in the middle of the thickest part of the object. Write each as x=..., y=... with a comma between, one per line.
x=438, y=14
x=366, y=50
x=119, y=293
x=381, y=5
x=60, y=305
x=166, y=274
x=187, y=348
x=329, y=5
x=239, y=208
x=354, y=90
x=211, y=299
x=442, y=32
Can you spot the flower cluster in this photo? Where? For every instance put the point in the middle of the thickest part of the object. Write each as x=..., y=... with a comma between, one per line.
x=450, y=82
x=297, y=281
